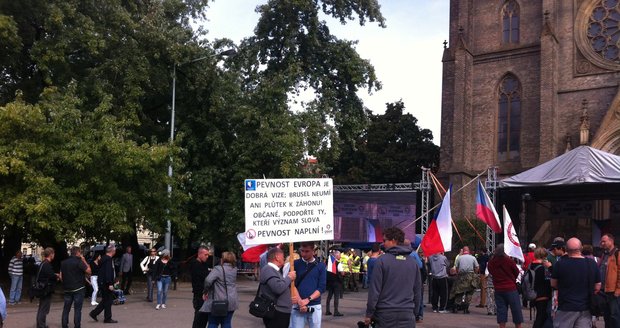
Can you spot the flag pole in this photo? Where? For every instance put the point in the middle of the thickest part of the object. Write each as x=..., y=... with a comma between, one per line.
x=475, y=230
x=291, y=261
x=434, y=207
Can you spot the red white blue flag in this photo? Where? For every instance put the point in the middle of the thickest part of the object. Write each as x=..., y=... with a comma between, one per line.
x=438, y=237
x=332, y=265
x=485, y=211
x=375, y=234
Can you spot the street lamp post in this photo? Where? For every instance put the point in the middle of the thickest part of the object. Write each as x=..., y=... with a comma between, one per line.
x=229, y=52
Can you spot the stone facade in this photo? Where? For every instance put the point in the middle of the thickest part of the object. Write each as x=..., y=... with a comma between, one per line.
x=560, y=73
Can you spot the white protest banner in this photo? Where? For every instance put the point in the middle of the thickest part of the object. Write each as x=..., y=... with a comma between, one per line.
x=288, y=210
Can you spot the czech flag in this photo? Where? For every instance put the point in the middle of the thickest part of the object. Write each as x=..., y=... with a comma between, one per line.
x=485, y=210
x=332, y=265
x=375, y=234
x=438, y=237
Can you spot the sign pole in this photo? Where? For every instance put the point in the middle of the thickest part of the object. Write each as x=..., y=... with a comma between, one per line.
x=291, y=261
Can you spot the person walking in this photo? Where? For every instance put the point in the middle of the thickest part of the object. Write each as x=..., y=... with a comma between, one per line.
x=541, y=286
x=505, y=272
x=147, y=265
x=73, y=273
x=94, y=274
x=334, y=283
x=610, y=280
x=16, y=272
x=199, y=270
x=165, y=270
x=311, y=283
x=277, y=288
x=126, y=271
x=467, y=281
x=106, y=280
x=575, y=278
x=439, y=264
x=220, y=285
x=47, y=276
x=395, y=290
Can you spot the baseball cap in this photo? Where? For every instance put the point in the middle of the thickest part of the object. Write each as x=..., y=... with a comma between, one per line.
x=558, y=244
x=532, y=245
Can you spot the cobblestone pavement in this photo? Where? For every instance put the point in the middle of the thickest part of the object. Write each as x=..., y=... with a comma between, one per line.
x=138, y=313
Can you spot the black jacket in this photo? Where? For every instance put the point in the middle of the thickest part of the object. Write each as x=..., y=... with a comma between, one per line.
x=107, y=276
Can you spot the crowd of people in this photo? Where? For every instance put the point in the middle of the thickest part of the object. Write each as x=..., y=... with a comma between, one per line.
x=558, y=282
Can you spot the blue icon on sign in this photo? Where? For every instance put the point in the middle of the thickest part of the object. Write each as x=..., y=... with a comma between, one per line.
x=250, y=185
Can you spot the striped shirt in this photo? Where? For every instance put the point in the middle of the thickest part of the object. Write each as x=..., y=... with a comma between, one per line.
x=16, y=266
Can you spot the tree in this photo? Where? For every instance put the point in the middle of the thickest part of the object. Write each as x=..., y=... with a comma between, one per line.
x=69, y=174
x=393, y=149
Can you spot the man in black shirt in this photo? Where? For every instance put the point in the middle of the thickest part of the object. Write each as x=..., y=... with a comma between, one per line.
x=576, y=278
x=72, y=274
x=199, y=270
x=106, y=279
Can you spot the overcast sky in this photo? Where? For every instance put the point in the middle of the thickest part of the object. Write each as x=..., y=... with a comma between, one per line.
x=406, y=54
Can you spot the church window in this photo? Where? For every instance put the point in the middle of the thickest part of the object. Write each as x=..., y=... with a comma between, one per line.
x=603, y=29
x=510, y=22
x=509, y=118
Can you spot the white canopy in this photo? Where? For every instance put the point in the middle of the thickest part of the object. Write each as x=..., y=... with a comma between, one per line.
x=579, y=166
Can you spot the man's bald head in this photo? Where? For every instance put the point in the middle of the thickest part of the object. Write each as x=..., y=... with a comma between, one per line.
x=573, y=246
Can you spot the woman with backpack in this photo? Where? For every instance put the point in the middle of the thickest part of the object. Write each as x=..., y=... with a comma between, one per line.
x=541, y=286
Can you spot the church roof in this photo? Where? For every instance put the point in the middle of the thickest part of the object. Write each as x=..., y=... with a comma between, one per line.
x=581, y=165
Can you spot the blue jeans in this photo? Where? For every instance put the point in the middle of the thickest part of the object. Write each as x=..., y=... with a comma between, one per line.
x=16, y=288
x=505, y=299
x=225, y=322
x=299, y=319
x=77, y=299
x=149, y=287
x=162, y=289
x=612, y=313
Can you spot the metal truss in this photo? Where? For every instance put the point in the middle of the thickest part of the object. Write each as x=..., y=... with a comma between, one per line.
x=491, y=186
x=425, y=192
x=374, y=187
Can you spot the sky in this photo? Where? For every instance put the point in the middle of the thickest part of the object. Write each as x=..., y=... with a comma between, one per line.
x=406, y=54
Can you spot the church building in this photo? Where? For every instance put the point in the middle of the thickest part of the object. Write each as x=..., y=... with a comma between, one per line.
x=525, y=81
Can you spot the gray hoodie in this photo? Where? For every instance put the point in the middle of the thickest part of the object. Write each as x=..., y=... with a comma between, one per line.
x=439, y=264
x=396, y=283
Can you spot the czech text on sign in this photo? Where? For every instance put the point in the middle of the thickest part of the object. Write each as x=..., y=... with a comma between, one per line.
x=288, y=210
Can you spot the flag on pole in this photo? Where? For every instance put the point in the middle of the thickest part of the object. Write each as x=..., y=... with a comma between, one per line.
x=438, y=237
x=375, y=234
x=512, y=247
x=485, y=210
x=251, y=253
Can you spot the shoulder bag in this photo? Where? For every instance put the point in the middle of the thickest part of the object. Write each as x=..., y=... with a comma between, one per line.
x=219, y=308
x=39, y=288
x=262, y=306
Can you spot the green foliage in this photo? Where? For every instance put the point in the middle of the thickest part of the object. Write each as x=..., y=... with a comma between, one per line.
x=393, y=149
x=68, y=174
x=470, y=237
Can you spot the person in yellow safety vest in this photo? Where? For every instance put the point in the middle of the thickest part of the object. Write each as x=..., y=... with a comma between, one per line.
x=346, y=264
x=365, y=269
x=356, y=263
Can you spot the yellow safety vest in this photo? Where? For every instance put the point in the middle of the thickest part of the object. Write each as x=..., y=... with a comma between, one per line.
x=344, y=259
x=355, y=264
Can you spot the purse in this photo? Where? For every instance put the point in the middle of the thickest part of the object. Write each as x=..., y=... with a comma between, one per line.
x=219, y=308
x=262, y=306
